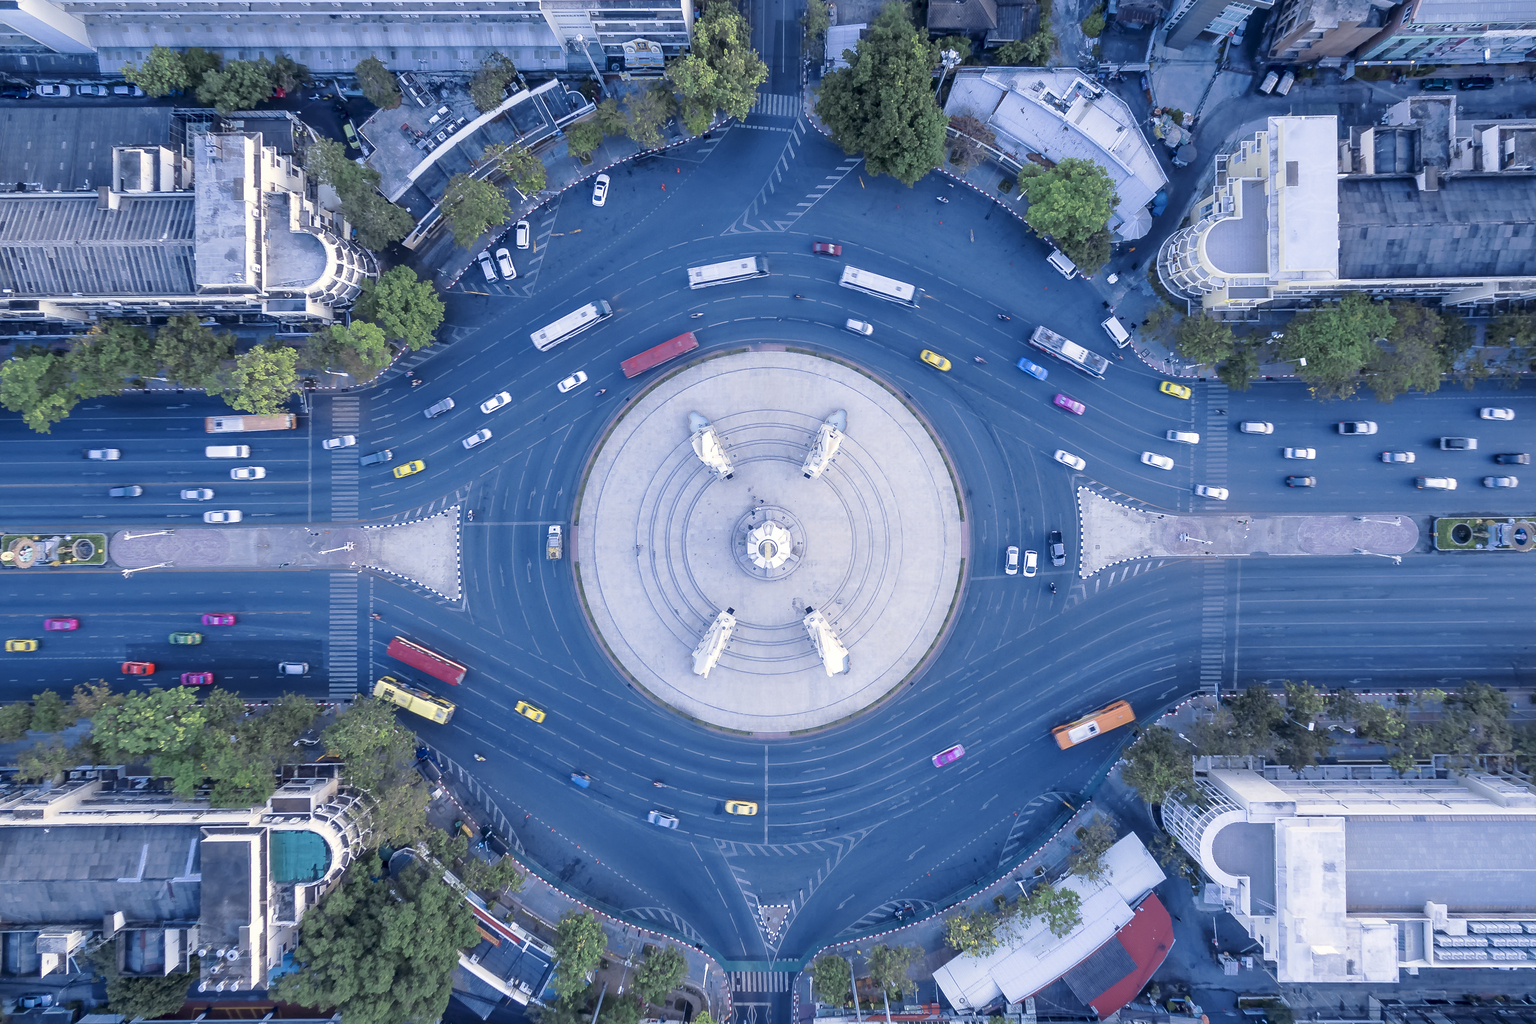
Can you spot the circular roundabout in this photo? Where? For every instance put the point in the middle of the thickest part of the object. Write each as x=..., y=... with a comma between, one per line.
x=769, y=542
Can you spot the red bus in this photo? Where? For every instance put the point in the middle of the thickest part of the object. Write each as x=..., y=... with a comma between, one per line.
x=651, y=357
x=428, y=661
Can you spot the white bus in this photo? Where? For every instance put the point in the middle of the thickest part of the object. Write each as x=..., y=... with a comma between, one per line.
x=728, y=272
x=571, y=325
x=880, y=287
x=1069, y=352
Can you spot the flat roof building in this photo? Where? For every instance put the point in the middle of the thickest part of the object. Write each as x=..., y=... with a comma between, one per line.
x=1351, y=874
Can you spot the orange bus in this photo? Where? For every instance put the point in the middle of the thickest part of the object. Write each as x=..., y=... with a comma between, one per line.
x=1086, y=728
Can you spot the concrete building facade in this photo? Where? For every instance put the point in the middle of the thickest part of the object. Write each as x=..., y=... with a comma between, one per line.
x=1455, y=32
x=1352, y=874
x=1190, y=19
x=1423, y=206
x=1308, y=31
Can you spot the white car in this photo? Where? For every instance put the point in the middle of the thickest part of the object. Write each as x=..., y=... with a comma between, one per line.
x=53, y=90
x=103, y=454
x=1068, y=459
x=495, y=402
x=1031, y=563
x=1357, y=427
x=1011, y=560
x=124, y=89
x=227, y=516
x=659, y=817
x=1299, y=453
x=600, y=190
x=1501, y=481
x=478, y=437
x=1154, y=459
x=1435, y=483
x=573, y=382
x=1219, y=493
x=1497, y=414
x=504, y=262
x=344, y=441
x=1256, y=427
x=521, y=234
x=860, y=327
x=197, y=494
x=292, y=668
x=92, y=90
x=248, y=473
x=1390, y=457
x=1183, y=436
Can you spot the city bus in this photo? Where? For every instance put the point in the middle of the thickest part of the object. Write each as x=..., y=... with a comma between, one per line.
x=571, y=324
x=1069, y=352
x=652, y=357
x=1086, y=728
x=416, y=701
x=728, y=272
x=425, y=660
x=880, y=287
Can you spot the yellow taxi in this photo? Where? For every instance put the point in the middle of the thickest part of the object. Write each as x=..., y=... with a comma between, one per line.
x=528, y=711
x=740, y=807
x=1168, y=387
x=409, y=469
x=935, y=360
x=20, y=645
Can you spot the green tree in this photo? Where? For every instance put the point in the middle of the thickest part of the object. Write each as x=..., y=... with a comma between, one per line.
x=35, y=383
x=1337, y=341
x=1414, y=357
x=1070, y=203
x=489, y=86
x=888, y=967
x=1204, y=339
x=722, y=71
x=1475, y=721
x=625, y=1009
x=164, y=722
x=647, y=110
x=163, y=73
x=1032, y=52
x=832, y=979
x=109, y=357
x=47, y=760
x=288, y=74
x=1241, y=368
x=1090, y=253
x=263, y=379
x=1515, y=329
x=1158, y=764
x=379, y=222
x=91, y=697
x=518, y=163
x=378, y=83
x=1093, y=25
x=972, y=932
x=610, y=119
x=198, y=63
x=404, y=306
x=50, y=713
x=1059, y=908
x=1095, y=838
x=579, y=944
x=1301, y=743
x=240, y=85
x=1256, y=714
x=582, y=138
x=960, y=44
x=15, y=720
x=381, y=949
x=494, y=878
x=470, y=206
x=814, y=24
x=882, y=103
x=359, y=349
x=144, y=998
x=660, y=973
x=191, y=354
x=378, y=757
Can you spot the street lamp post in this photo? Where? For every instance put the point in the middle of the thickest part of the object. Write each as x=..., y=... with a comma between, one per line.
x=581, y=41
x=157, y=533
x=158, y=565
x=1396, y=559
x=1394, y=521
x=951, y=59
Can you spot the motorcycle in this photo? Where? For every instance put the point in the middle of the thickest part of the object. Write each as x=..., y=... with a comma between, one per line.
x=799, y=296
x=942, y=199
x=659, y=784
x=479, y=757
x=417, y=382
x=601, y=392
x=1053, y=588
x=978, y=359
x=1004, y=316
x=694, y=316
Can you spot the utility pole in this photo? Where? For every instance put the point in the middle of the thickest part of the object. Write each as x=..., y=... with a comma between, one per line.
x=951, y=59
x=602, y=89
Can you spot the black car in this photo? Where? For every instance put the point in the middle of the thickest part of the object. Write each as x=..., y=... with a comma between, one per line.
x=131, y=491
x=1436, y=85
x=1058, y=549
x=1301, y=481
x=1513, y=459
x=1480, y=82
x=376, y=458
x=12, y=91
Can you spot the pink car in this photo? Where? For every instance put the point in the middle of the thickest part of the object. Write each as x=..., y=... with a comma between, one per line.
x=61, y=623
x=218, y=619
x=949, y=756
x=1070, y=404
x=197, y=679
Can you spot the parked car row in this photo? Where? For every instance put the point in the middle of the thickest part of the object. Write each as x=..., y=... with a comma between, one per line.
x=58, y=90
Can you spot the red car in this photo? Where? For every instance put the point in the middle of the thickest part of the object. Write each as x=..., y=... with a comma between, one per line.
x=61, y=623
x=218, y=619
x=1070, y=404
x=197, y=679
x=949, y=756
x=826, y=249
x=138, y=668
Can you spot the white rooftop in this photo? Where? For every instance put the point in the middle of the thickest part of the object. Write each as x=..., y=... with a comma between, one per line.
x=1305, y=194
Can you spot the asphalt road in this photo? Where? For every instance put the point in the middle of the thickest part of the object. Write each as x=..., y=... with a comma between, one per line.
x=855, y=821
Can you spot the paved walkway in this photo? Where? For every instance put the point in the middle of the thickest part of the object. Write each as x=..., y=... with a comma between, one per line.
x=1115, y=532
x=424, y=552
x=878, y=541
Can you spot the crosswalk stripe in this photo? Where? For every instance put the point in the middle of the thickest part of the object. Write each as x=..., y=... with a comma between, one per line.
x=342, y=659
x=772, y=104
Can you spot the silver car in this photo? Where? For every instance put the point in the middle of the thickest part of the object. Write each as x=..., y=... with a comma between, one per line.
x=103, y=454
x=661, y=818
x=197, y=494
x=478, y=437
x=344, y=441
x=1256, y=427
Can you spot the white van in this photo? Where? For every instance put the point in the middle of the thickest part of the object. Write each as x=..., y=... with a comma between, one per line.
x=487, y=268
x=1116, y=332
x=228, y=451
x=1066, y=267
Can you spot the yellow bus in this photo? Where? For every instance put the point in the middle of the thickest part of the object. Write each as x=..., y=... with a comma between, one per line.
x=1086, y=728
x=419, y=701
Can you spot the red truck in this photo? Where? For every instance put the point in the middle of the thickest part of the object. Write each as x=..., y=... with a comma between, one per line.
x=426, y=660
x=653, y=357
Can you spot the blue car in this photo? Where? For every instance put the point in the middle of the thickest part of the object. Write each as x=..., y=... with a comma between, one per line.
x=582, y=779
x=1034, y=369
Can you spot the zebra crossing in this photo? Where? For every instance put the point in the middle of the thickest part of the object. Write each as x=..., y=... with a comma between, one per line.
x=342, y=660
x=1213, y=625
x=1217, y=429
x=774, y=104
x=762, y=981
x=345, y=413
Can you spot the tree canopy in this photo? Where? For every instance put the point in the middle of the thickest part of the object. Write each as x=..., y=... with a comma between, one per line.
x=1032, y=52
x=882, y=104
x=239, y=85
x=263, y=380
x=381, y=950
x=377, y=83
x=518, y=163
x=832, y=979
x=1337, y=341
x=660, y=973
x=579, y=944
x=582, y=138
x=405, y=306
x=163, y=73
x=378, y=757
x=109, y=357
x=488, y=88
x=722, y=71
x=1094, y=841
x=1071, y=203
x=646, y=111
x=1204, y=339
x=1158, y=763
x=191, y=354
x=35, y=382
x=470, y=206
x=379, y=222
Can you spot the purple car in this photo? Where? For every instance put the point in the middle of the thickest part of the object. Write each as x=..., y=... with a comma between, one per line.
x=949, y=756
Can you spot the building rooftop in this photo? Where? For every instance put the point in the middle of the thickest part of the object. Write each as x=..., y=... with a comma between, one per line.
x=69, y=875
x=1478, y=13
x=962, y=17
x=57, y=244
x=1396, y=866
x=67, y=149
x=1240, y=244
x=1304, y=195
x=1468, y=227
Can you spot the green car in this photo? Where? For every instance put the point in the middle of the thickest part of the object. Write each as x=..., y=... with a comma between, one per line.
x=186, y=638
